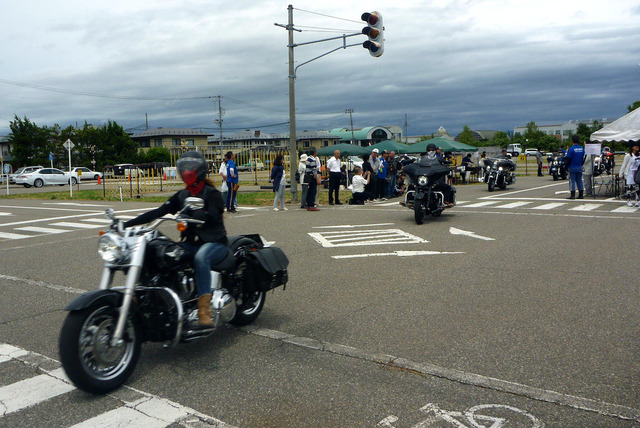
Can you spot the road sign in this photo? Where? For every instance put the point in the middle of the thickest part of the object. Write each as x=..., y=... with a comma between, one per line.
x=68, y=145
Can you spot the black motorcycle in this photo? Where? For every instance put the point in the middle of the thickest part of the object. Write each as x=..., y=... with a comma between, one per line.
x=101, y=337
x=557, y=167
x=424, y=196
x=499, y=173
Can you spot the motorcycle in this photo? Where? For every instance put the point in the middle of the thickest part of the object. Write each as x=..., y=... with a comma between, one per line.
x=557, y=167
x=499, y=173
x=605, y=163
x=421, y=195
x=100, y=340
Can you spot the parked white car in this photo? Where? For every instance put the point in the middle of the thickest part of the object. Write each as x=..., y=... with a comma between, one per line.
x=23, y=170
x=86, y=174
x=530, y=152
x=46, y=177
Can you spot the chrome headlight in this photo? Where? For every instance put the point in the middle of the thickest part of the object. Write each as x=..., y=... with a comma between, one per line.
x=488, y=167
x=112, y=248
x=500, y=169
x=422, y=180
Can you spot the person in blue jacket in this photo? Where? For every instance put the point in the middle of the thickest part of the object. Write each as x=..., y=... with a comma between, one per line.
x=574, y=158
x=232, y=181
x=279, y=179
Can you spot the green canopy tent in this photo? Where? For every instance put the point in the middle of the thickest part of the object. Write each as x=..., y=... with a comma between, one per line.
x=421, y=147
x=346, y=149
x=389, y=145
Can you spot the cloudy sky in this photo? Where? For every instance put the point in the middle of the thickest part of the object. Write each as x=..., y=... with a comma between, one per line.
x=488, y=64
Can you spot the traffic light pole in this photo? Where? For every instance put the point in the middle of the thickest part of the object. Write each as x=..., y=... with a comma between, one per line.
x=293, y=146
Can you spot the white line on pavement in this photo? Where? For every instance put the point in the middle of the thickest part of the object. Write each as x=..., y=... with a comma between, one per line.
x=29, y=392
x=399, y=254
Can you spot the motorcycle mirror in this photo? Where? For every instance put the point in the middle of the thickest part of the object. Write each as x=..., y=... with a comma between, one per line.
x=194, y=203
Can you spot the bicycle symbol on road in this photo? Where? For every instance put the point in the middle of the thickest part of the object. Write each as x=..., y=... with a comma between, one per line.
x=471, y=418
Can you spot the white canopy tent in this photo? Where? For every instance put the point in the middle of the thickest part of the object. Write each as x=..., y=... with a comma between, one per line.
x=626, y=128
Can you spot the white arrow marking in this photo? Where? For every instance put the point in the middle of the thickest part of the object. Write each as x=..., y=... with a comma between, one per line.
x=399, y=254
x=455, y=231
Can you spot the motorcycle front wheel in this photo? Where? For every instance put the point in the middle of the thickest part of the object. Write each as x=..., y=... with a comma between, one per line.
x=418, y=212
x=249, y=310
x=491, y=184
x=87, y=356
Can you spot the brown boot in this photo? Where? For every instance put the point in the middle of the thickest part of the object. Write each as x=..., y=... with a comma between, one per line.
x=204, y=311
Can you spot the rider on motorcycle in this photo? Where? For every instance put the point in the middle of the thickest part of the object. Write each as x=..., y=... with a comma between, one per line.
x=206, y=241
x=441, y=185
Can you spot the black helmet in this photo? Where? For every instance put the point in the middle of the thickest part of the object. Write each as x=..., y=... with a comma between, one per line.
x=193, y=161
x=431, y=147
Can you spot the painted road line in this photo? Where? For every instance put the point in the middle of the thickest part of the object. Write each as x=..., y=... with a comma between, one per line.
x=515, y=204
x=6, y=235
x=462, y=202
x=76, y=204
x=346, y=226
x=5, y=214
x=8, y=352
x=399, y=254
x=42, y=229
x=455, y=231
x=625, y=210
x=481, y=204
x=76, y=225
x=353, y=238
x=585, y=207
x=549, y=206
x=97, y=220
x=152, y=413
x=30, y=392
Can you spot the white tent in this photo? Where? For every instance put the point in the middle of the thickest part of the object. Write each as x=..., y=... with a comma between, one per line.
x=624, y=129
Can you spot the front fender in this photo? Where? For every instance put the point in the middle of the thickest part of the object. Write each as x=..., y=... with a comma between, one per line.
x=88, y=299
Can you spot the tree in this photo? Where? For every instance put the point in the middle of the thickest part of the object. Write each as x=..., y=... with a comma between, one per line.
x=30, y=143
x=466, y=136
x=155, y=154
x=500, y=139
x=633, y=106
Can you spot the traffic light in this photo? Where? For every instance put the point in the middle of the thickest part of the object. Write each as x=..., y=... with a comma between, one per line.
x=373, y=30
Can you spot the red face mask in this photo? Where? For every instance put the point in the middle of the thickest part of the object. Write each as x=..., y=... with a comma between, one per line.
x=189, y=177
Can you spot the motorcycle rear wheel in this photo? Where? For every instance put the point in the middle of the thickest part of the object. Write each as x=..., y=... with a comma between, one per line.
x=418, y=212
x=249, y=311
x=85, y=352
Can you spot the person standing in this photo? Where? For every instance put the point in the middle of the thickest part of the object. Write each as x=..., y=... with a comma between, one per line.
x=223, y=173
x=302, y=167
x=232, y=181
x=574, y=160
x=279, y=178
x=335, y=175
x=312, y=177
x=374, y=161
x=367, y=168
x=634, y=166
x=392, y=172
x=538, y=156
x=381, y=177
x=587, y=174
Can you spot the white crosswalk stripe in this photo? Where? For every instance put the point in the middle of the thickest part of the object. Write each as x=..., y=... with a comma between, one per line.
x=481, y=204
x=76, y=225
x=585, y=207
x=549, y=206
x=141, y=409
x=514, y=205
x=42, y=229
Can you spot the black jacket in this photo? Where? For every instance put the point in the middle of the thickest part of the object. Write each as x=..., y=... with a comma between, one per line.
x=211, y=231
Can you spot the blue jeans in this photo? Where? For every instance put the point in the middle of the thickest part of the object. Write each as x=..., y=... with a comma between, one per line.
x=391, y=190
x=575, y=178
x=205, y=255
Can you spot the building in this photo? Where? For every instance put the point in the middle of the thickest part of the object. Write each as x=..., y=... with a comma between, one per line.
x=479, y=135
x=256, y=139
x=171, y=137
x=365, y=136
x=562, y=131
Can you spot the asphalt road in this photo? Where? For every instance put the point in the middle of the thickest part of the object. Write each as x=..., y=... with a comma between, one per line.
x=516, y=308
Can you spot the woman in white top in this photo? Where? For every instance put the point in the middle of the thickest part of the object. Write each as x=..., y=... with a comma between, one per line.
x=223, y=173
x=302, y=168
x=358, y=184
x=634, y=165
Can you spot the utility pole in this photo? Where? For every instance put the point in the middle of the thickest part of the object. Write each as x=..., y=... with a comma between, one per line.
x=406, y=127
x=350, y=111
x=218, y=121
x=293, y=144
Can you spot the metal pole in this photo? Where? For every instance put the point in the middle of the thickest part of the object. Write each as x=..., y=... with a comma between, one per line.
x=350, y=111
x=220, y=117
x=293, y=153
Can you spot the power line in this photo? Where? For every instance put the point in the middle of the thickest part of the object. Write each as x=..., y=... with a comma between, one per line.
x=328, y=16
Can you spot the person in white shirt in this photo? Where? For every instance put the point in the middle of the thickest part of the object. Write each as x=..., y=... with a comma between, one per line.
x=302, y=168
x=634, y=165
x=358, y=183
x=223, y=173
x=333, y=165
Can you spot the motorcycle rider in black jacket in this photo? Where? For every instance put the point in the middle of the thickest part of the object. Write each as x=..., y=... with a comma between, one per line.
x=207, y=241
x=429, y=158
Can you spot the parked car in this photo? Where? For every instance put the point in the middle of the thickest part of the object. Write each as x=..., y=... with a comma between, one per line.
x=46, y=177
x=86, y=174
x=127, y=169
x=530, y=152
x=249, y=166
x=23, y=170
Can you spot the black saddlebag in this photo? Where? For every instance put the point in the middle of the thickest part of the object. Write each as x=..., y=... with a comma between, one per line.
x=270, y=267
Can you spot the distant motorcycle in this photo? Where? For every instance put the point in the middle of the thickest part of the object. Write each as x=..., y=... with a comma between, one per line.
x=100, y=340
x=422, y=196
x=605, y=163
x=499, y=173
x=557, y=167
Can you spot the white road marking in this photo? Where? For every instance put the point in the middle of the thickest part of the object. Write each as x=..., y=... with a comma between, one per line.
x=501, y=195
x=152, y=413
x=76, y=225
x=6, y=214
x=47, y=230
x=7, y=235
x=347, y=226
x=399, y=254
x=29, y=392
x=549, y=206
x=514, y=204
x=585, y=207
x=97, y=220
x=76, y=204
x=625, y=210
x=8, y=352
x=359, y=237
x=481, y=204
x=455, y=231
